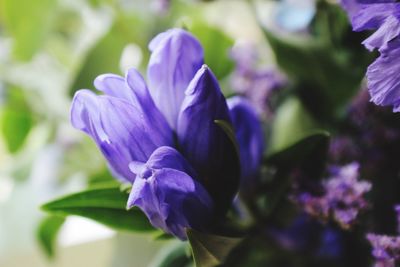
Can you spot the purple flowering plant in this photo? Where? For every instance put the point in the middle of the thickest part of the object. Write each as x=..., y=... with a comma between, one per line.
x=260, y=164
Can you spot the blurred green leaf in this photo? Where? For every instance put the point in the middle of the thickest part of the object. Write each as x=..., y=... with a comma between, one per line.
x=173, y=255
x=210, y=250
x=47, y=233
x=28, y=22
x=104, y=205
x=216, y=46
x=292, y=122
x=312, y=144
x=329, y=76
x=16, y=119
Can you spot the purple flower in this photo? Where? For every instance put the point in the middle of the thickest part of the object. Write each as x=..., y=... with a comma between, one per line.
x=249, y=135
x=343, y=198
x=140, y=130
x=386, y=249
x=254, y=82
x=384, y=74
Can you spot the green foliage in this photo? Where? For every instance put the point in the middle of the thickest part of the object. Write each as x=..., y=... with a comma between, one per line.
x=28, y=22
x=314, y=144
x=210, y=250
x=173, y=255
x=104, y=205
x=292, y=122
x=216, y=46
x=326, y=77
x=16, y=119
x=47, y=233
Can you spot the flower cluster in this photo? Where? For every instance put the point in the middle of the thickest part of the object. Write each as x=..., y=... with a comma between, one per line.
x=386, y=249
x=343, y=198
x=163, y=138
x=384, y=74
x=255, y=82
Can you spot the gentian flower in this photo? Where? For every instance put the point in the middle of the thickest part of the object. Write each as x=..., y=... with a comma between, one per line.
x=163, y=138
x=384, y=74
x=249, y=135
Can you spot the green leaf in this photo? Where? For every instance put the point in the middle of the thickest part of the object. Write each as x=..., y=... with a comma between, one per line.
x=28, y=22
x=173, y=255
x=314, y=143
x=47, y=233
x=230, y=132
x=292, y=122
x=331, y=76
x=104, y=205
x=210, y=250
x=216, y=46
x=16, y=119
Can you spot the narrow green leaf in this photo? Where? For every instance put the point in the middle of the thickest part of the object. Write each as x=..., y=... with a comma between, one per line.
x=47, y=233
x=210, y=250
x=230, y=132
x=104, y=205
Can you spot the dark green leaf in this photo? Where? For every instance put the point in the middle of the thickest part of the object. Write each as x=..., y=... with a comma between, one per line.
x=216, y=46
x=173, y=255
x=104, y=205
x=314, y=143
x=230, y=132
x=210, y=250
x=47, y=233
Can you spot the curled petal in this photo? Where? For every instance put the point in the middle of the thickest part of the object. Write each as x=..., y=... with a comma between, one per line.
x=202, y=141
x=171, y=199
x=384, y=77
x=249, y=135
x=163, y=157
x=119, y=129
x=176, y=56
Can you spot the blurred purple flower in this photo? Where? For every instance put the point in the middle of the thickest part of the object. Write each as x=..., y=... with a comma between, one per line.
x=386, y=249
x=384, y=74
x=139, y=130
x=256, y=83
x=343, y=198
x=249, y=135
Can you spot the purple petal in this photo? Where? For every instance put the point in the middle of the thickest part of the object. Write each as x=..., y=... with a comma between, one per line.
x=176, y=56
x=171, y=199
x=249, y=135
x=164, y=157
x=384, y=77
x=201, y=140
x=388, y=31
x=119, y=129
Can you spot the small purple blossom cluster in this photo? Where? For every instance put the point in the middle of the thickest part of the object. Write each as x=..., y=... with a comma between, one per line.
x=384, y=74
x=343, y=198
x=255, y=82
x=386, y=249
